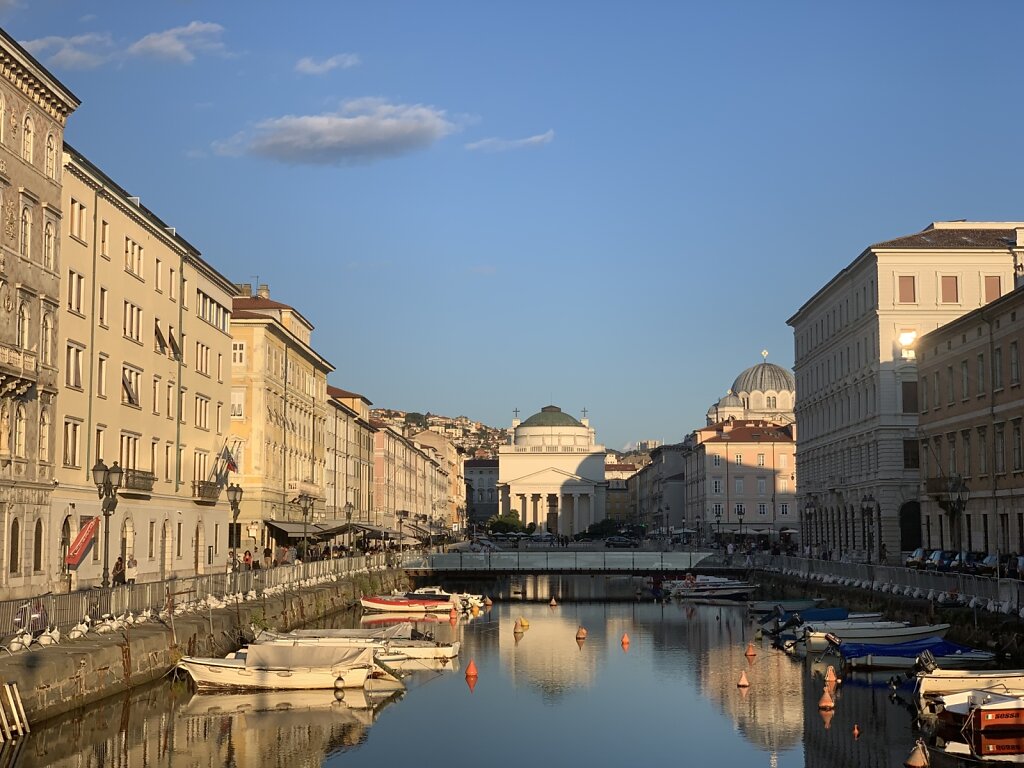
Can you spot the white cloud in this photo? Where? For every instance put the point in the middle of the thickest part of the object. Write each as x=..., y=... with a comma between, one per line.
x=180, y=44
x=504, y=145
x=309, y=66
x=78, y=52
x=363, y=130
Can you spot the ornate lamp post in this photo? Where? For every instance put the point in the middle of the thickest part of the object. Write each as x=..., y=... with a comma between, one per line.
x=740, y=511
x=108, y=480
x=305, y=502
x=349, y=509
x=402, y=515
x=867, y=508
x=234, y=501
x=810, y=509
x=957, y=495
x=718, y=519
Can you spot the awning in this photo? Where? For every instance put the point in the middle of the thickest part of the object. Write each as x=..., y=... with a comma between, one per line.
x=789, y=530
x=295, y=530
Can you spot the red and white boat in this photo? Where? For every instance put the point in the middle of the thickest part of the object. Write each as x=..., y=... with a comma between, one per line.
x=984, y=710
x=407, y=603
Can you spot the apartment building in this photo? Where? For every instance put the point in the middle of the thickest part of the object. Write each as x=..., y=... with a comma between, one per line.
x=972, y=454
x=278, y=420
x=349, y=478
x=481, y=490
x=144, y=349
x=34, y=108
x=856, y=377
x=447, y=503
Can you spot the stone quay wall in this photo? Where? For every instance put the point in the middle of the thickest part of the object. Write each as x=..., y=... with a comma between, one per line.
x=56, y=679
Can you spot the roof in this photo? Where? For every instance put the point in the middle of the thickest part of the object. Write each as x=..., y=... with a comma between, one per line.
x=619, y=467
x=338, y=392
x=764, y=377
x=551, y=416
x=481, y=463
x=766, y=433
x=953, y=238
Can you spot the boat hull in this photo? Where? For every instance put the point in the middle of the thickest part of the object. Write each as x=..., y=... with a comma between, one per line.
x=213, y=674
x=403, y=604
x=818, y=640
x=943, y=681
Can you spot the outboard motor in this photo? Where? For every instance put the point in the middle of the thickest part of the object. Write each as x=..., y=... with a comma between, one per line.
x=925, y=662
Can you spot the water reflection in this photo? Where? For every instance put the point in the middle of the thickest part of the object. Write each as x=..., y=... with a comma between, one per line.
x=674, y=688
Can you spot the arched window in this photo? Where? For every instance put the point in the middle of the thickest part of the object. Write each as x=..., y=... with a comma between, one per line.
x=46, y=340
x=26, y=231
x=27, y=139
x=44, y=437
x=19, y=431
x=23, y=320
x=37, y=547
x=49, y=247
x=14, y=560
x=5, y=427
x=51, y=157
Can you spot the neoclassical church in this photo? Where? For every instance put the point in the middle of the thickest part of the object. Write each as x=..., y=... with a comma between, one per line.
x=764, y=391
x=552, y=473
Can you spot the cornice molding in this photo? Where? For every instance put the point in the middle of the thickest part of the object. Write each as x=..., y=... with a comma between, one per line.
x=45, y=92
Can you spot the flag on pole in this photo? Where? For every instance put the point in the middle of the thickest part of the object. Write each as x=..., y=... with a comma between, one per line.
x=229, y=461
x=82, y=544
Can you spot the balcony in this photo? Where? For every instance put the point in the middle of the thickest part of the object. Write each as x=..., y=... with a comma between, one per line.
x=18, y=369
x=205, y=491
x=137, y=483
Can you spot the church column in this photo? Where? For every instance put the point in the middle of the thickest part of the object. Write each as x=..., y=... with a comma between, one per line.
x=577, y=515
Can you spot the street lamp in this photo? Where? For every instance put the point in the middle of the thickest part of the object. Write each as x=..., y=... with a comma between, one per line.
x=867, y=508
x=234, y=501
x=108, y=480
x=740, y=511
x=958, y=494
x=305, y=502
x=718, y=519
x=402, y=515
x=810, y=508
x=700, y=530
x=349, y=509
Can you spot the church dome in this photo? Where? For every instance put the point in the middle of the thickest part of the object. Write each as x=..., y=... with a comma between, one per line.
x=551, y=416
x=730, y=401
x=765, y=377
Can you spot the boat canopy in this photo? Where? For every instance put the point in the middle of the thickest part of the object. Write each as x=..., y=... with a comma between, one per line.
x=910, y=650
x=295, y=656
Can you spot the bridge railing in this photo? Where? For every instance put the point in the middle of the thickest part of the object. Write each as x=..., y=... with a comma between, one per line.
x=556, y=561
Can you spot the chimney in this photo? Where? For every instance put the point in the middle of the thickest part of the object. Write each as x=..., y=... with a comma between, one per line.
x=243, y=290
x=263, y=291
x=1020, y=236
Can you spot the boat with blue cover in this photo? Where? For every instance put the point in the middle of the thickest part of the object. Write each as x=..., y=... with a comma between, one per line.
x=946, y=654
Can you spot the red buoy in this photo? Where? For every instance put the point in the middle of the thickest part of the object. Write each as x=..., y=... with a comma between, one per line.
x=856, y=731
x=743, y=682
x=826, y=701
x=918, y=757
x=471, y=669
x=750, y=652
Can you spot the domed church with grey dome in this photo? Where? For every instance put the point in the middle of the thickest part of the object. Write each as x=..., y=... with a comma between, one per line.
x=552, y=472
x=764, y=391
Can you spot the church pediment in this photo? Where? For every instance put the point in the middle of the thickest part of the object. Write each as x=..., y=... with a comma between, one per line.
x=552, y=476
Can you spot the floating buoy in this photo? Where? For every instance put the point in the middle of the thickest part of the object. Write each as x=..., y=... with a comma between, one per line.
x=826, y=701
x=830, y=675
x=453, y=614
x=471, y=669
x=471, y=682
x=523, y=623
x=488, y=602
x=750, y=652
x=581, y=633
x=625, y=640
x=918, y=756
x=553, y=602
x=743, y=682
x=580, y=641
x=856, y=731
x=826, y=717
x=475, y=610
x=452, y=621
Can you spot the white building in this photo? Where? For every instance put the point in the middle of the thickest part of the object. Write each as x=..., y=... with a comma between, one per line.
x=856, y=377
x=552, y=473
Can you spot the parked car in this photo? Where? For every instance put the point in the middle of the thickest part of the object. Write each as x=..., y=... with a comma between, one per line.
x=621, y=542
x=1004, y=566
x=940, y=560
x=966, y=562
x=918, y=557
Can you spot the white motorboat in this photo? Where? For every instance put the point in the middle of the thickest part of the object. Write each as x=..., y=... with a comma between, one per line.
x=783, y=606
x=466, y=599
x=818, y=637
x=292, y=667
x=939, y=682
x=405, y=647
x=709, y=588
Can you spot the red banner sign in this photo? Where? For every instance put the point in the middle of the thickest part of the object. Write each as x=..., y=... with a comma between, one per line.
x=82, y=544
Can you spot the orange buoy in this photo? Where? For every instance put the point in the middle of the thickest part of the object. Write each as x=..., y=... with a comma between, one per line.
x=471, y=669
x=475, y=610
x=580, y=641
x=826, y=717
x=453, y=614
x=553, y=602
x=581, y=633
x=826, y=701
x=743, y=682
x=750, y=652
x=471, y=682
x=830, y=675
x=523, y=623
x=453, y=621
x=856, y=731
x=625, y=640
x=918, y=756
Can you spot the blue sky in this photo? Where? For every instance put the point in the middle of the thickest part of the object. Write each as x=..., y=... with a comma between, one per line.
x=488, y=206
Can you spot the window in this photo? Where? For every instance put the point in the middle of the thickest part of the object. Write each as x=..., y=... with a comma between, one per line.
x=783, y=461
x=999, y=449
x=949, y=289
x=132, y=257
x=170, y=400
x=1014, y=364
x=760, y=459
x=173, y=342
x=49, y=246
x=716, y=460
x=199, y=459
x=762, y=509
x=76, y=291
x=202, y=358
x=101, y=377
x=51, y=157
x=26, y=232
x=784, y=509
x=993, y=288
x=132, y=321
x=907, y=289
x=27, y=139
x=237, y=404
x=168, y=461
x=77, y=220
x=129, y=454
x=1018, y=457
x=212, y=311
x=982, y=451
x=156, y=395
x=44, y=437
x=220, y=367
x=716, y=486
x=103, y=307
x=202, y=415
x=762, y=486
x=739, y=459
x=783, y=485
x=20, y=428
x=739, y=509
x=911, y=455
x=15, y=559
x=981, y=375
x=130, y=378
x=153, y=451
x=159, y=342
x=965, y=445
x=909, y=396
x=739, y=485
x=98, y=442
x=73, y=366
x=158, y=275
x=238, y=358
x=24, y=319
x=105, y=239
x=152, y=539
x=950, y=392
x=924, y=395
x=177, y=541
x=71, y=430
x=965, y=380
x=997, y=368
x=172, y=286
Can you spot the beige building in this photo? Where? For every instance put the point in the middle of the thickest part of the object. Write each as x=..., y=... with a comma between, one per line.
x=657, y=489
x=34, y=107
x=349, y=471
x=618, y=500
x=972, y=452
x=278, y=420
x=447, y=505
x=407, y=475
x=856, y=375
x=144, y=347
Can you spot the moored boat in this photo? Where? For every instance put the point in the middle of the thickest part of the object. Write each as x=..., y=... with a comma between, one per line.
x=709, y=588
x=983, y=710
x=819, y=637
x=905, y=655
x=783, y=606
x=939, y=682
x=406, y=647
x=406, y=604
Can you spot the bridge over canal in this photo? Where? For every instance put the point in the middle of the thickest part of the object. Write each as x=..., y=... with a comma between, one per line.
x=634, y=563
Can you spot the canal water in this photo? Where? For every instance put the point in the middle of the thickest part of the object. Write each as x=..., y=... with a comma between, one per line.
x=668, y=698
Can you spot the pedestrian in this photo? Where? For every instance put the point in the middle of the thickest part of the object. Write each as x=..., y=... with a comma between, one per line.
x=247, y=560
x=118, y=575
x=268, y=556
x=729, y=549
x=131, y=569
x=881, y=553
